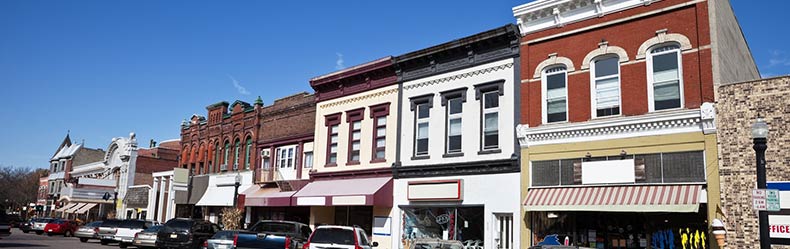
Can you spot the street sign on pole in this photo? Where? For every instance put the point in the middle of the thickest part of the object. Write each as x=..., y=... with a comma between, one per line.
x=772, y=200
x=759, y=202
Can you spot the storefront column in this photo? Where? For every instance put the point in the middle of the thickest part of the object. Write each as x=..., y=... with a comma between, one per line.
x=170, y=198
x=714, y=187
x=525, y=229
x=160, y=209
x=151, y=207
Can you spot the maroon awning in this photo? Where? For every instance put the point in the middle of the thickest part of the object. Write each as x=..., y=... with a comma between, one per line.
x=373, y=191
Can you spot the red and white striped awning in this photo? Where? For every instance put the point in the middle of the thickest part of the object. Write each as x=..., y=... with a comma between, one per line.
x=644, y=198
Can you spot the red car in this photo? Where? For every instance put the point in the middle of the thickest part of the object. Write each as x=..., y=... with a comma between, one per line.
x=61, y=226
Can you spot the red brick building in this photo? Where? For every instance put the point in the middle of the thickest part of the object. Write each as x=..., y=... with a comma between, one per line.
x=617, y=106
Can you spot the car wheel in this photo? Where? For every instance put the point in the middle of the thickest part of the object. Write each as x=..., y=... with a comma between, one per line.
x=25, y=231
x=39, y=232
x=83, y=240
x=104, y=242
x=67, y=234
x=49, y=234
x=122, y=245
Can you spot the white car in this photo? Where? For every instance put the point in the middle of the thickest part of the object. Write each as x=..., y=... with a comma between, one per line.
x=129, y=228
x=340, y=237
x=39, y=224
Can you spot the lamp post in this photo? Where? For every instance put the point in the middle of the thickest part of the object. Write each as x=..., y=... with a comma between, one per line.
x=759, y=138
x=236, y=191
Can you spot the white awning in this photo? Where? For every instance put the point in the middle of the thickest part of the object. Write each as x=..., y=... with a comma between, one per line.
x=85, y=208
x=220, y=189
x=68, y=206
x=74, y=208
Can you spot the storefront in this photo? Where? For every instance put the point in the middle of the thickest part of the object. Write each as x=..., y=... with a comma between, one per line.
x=186, y=199
x=220, y=193
x=476, y=210
x=644, y=216
x=365, y=202
x=268, y=202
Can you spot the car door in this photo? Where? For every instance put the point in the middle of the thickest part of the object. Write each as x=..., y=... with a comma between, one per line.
x=363, y=241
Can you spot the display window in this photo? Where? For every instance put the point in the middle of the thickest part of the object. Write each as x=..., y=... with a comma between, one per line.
x=462, y=224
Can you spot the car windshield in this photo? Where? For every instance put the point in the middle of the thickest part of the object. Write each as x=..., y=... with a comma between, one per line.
x=179, y=225
x=225, y=235
x=333, y=236
x=274, y=227
x=133, y=224
x=93, y=224
x=110, y=223
x=152, y=229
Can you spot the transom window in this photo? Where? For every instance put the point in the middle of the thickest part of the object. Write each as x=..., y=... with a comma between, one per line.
x=490, y=120
x=606, y=80
x=555, y=91
x=665, y=88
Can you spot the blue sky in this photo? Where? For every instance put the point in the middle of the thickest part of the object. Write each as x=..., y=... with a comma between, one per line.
x=102, y=69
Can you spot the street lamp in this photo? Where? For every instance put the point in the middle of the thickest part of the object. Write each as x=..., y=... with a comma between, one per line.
x=236, y=191
x=759, y=138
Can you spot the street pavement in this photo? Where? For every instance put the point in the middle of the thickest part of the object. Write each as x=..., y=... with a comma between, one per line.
x=32, y=240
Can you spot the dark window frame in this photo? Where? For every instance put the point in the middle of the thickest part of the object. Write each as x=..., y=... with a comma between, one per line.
x=330, y=121
x=427, y=100
x=376, y=112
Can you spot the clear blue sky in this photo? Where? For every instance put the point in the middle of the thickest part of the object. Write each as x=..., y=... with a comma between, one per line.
x=103, y=69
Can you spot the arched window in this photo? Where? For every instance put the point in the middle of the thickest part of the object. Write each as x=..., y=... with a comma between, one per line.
x=555, y=94
x=236, y=150
x=247, y=152
x=605, y=88
x=227, y=153
x=217, y=150
x=665, y=81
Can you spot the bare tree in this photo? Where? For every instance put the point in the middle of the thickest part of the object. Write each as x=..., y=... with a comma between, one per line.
x=19, y=186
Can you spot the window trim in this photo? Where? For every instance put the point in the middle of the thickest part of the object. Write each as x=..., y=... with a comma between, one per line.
x=236, y=152
x=376, y=112
x=247, y=153
x=330, y=121
x=649, y=61
x=544, y=92
x=305, y=163
x=292, y=157
x=427, y=100
x=459, y=94
x=353, y=116
x=593, y=79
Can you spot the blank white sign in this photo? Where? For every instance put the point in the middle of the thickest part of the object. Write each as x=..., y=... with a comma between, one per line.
x=603, y=172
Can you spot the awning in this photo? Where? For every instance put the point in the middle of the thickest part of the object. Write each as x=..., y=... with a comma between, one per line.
x=267, y=197
x=376, y=191
x=63, y=208
x=193, y=194
x=85, y=208
x=220, y=189
x=74, y=208
x=647, y=198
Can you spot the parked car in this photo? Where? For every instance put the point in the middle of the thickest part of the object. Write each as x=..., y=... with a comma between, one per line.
x=272, y=234
x=88, y=231
x=436, y=244
x=147, y=238
x=128, y=228
x=185, y=233
x=5, y=226
x=225, y=239
x=107, y=231
x=39, y=224
x=26, y=226
x=61, y=226
x=339, y=237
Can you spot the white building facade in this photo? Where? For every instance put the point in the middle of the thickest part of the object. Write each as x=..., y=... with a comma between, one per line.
x=458, y=174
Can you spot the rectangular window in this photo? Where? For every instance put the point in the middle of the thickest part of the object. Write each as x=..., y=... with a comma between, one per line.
x=379, y=114
x=490, y=120
x=423, y=116
x=607, y=86
x=285, y=157
x=556, y=101
x=308, y=160
x=666, y=81
x=332, y=123
x=354, y=119
x=454, y=125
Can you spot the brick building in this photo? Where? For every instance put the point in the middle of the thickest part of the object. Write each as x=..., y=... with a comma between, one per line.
x=286, y=145
x=617, y=118
x=215, y=150
x=739, y=105
x=62, y=162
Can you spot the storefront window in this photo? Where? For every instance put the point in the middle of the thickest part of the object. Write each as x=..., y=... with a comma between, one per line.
x=361, y=216
x=463, y=224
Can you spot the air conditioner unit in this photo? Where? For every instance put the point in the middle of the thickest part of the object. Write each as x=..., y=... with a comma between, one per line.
x=265, y=153
x=223, y=167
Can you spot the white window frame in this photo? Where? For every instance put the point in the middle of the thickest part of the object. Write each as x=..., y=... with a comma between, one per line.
x=649, y=60
x=483, y=118
x=544, y=96
x=417, y=123
x=449, y=117
x=307, y=160
x=287, y=161
x=593, y=81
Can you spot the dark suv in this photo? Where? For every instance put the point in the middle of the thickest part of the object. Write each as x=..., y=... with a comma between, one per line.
x=185, y=233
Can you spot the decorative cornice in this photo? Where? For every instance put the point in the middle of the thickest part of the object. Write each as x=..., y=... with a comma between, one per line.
x=360, y=98
x=708, y=115
x=458, y=76
x=660, y=123
x=509, y=165
x=544, y=14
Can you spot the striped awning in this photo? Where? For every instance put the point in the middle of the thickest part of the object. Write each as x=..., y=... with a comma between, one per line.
x=74, y=208
x=85, y=208
x=68, y=206
x=644, y=198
